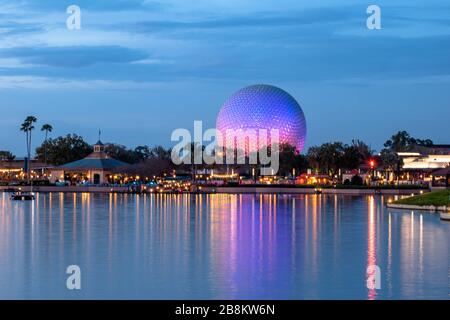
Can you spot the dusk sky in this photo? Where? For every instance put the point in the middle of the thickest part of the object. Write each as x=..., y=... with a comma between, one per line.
x=138, y=69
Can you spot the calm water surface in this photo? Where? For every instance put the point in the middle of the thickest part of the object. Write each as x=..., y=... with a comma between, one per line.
x=220, y=247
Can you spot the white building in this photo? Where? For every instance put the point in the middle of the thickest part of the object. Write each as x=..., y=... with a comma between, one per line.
x=426, y=158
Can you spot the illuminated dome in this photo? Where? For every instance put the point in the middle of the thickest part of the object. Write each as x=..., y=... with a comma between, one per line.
x=264, y=107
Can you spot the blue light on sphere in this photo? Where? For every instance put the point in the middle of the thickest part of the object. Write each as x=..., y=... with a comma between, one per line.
x=265, y=107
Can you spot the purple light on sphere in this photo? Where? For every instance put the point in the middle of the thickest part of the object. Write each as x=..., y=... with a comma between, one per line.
x=264, y=107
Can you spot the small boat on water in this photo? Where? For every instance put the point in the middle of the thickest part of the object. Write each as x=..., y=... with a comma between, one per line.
x=22, y=196
x=445, y=216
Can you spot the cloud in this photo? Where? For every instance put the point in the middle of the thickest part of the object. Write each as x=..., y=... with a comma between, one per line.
x=32, y=82
x=255, y=20
x=97, y=5
x=74, y=57
x=14, y=28
x=324, y=42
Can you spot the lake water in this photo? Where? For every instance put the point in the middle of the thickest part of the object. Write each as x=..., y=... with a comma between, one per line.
x=220, y=247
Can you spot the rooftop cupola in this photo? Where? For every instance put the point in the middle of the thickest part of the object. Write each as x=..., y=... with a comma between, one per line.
x=99, y=147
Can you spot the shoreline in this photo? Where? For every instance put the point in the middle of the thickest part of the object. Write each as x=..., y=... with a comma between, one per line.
x=437, y=201
x=332, y=191
x=442, y=209
x=222, y=190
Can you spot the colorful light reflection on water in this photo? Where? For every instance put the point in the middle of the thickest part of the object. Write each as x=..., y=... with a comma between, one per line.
x=220, y=247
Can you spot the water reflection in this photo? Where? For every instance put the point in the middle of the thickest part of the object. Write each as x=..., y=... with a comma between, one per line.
x=220, y=247
x=372, y=242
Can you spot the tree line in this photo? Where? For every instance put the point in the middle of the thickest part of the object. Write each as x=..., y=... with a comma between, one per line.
x=327, y=158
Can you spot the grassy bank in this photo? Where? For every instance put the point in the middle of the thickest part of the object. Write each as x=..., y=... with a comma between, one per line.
x=438, y=198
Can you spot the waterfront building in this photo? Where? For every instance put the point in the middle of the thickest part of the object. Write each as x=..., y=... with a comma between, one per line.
x=440, y=178
x=426, y=158
x=429, y=164
x=313, y=179
x=15, y=169
x=97, y=168
x=362, y=172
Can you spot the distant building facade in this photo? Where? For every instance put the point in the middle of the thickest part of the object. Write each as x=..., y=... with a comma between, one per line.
x=431, y=164
x=15, y=169
x=426, y=158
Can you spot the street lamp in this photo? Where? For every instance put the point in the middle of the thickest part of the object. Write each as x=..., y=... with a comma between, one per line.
x=372, y=165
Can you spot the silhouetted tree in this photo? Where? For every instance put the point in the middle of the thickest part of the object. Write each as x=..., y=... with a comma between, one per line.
x=64, y=149
x=160, y=152
x=47, y=128
x=122, y=153
x=364, y=150
x=27, y=127
x=351, y=158
x=6, y=156
x=291, y=159
x=357, y=181
x=327, y=158
x=403, y=141
x=143, y=152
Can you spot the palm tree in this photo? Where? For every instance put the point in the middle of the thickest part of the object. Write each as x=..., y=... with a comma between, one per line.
x=47, y=128
x=28, y=127
x=364, y=150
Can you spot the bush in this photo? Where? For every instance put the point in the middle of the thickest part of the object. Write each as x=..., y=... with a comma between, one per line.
x=357, y=181
x=232, y=184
